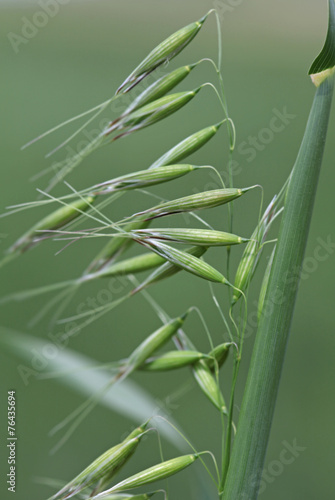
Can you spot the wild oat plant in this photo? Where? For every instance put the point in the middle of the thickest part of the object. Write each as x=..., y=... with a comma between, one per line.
x=164, y=251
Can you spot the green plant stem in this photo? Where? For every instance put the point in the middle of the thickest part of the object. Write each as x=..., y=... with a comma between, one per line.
x=227, y=448
x=259, y=399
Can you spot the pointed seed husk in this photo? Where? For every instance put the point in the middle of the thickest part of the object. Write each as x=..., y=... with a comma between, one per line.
x=154, y=341
x=187, y=146
x=203, y=200
x=162, y=53
x=158, y=472
x=107, y=464
x=159, y=88
x=208, y=385
x=172, y=361
x=168, y=269
x=186, y=261
x=218, y=355
x=55, y=220
x=251, y=254
x=116, y=246
x=143, y=178
x=206, y=237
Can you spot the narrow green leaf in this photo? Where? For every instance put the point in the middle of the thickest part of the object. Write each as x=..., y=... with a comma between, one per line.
x=324, y=64
x=128, y=399
x=264, y=286
x=249, y=450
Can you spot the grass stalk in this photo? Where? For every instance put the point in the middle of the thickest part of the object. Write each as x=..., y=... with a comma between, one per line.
x=260, y=394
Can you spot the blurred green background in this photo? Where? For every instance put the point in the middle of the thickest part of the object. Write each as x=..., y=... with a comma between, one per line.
x=75, y=62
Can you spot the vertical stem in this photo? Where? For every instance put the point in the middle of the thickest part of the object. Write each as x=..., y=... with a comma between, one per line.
x=227, y=449
x=260, y=394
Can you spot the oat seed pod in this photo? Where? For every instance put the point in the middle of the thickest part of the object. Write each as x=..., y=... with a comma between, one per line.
x=153, y=112
x=208, y=384
x=206, y=237
x=163, y=53
x=134, y=265
x=187, y=262
x=158, y=472
x=171, y=361
x=55, y=220
x=251, y=254
x=159, y=88
x=154, y=341
x=188, y=146
x=218, y=355
x=205, y=199
x=137, y=433
x=143, y=178
x=107, y=465
x=116, y=246
x=167, y=269
x=264, y=285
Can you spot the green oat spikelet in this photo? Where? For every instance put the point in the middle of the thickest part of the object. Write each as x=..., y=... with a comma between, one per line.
x=200, y=201
x=104, y=467
x=187, y=146
x=205, y=237
x=172, y=360
x=158, y=472
x=218, y=355
x=142, y=179
x=158, y=89
x=162, y=53
x=151, y=113
x=186, y=261
x=168, y=269
x=116, y=246
x=252, y=251
x=207, y=383
x=55, y=220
